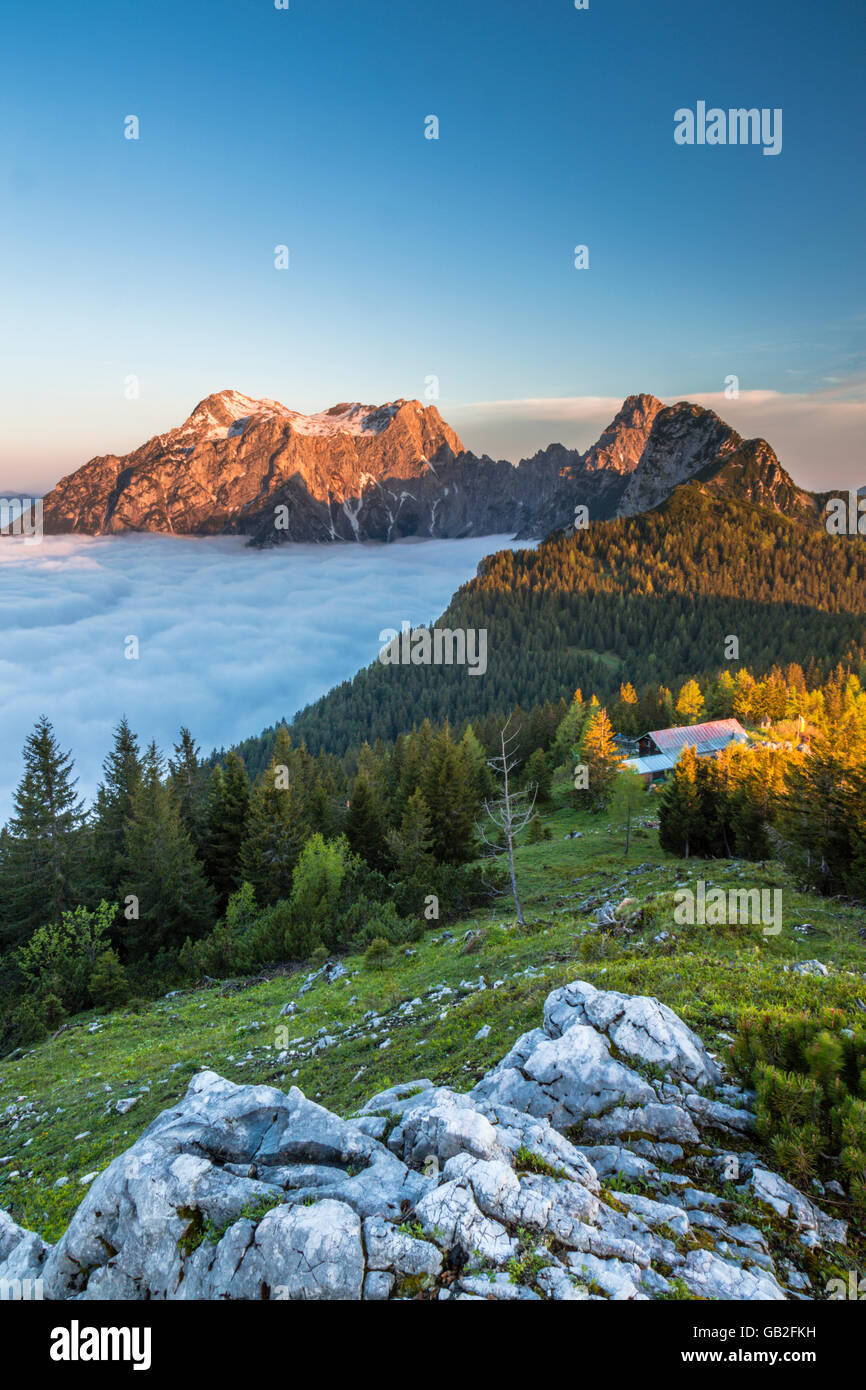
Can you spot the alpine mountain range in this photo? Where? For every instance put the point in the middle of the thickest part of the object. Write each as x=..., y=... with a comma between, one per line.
x=357, y=472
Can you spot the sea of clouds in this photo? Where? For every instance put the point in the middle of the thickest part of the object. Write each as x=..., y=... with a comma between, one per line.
x=230, y=639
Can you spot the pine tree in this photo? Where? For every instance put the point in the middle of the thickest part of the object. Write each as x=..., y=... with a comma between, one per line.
x=600, y=755
x=277, y=825
x=171, y=898
x=681, y=816
x=122, y=771
x=43, y=847
x=364, y=825
x=447, y=784
x=537, y=774
x=411, y=845
x=570, y=732
x=225, y=826
x=690, y=703
x=625, y=710
x=189, y=782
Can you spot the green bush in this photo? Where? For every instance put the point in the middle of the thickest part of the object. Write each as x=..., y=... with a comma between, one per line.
x=459, y=888
x=108, y=984
x=268, y=938
x=35, y=1016
x=809, y=1074
x=593, y=946
x=377, y=955
x=317, y=881
x=60, y=957
x=247, y=938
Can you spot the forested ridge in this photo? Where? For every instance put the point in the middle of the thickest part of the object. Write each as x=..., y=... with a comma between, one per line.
x=651, y=598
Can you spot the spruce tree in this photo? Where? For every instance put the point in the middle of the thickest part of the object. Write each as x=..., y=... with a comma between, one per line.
x=276, y=827
x=189, y=782
x=655, y=710
x=681, y=813
x=322, y=801
x=225, y=826
x=570, y=732
x=720, y=697
x=856, y=871
x=411, y=845
x=625, y=710
x=537, y=773
x=479, y=771
x=448, y=792
x=171, y=898
x=414, y=760
x=122, y=771
x=815, y=818
x=43, y=848
x=364, y=825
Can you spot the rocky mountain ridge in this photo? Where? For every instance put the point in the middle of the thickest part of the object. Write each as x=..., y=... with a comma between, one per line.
x=357, y=472
x=534, y=1185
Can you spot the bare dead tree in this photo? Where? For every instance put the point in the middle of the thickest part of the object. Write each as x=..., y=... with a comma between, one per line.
x=511, y=812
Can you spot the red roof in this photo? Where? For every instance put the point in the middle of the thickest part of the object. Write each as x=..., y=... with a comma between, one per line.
x=718, y=732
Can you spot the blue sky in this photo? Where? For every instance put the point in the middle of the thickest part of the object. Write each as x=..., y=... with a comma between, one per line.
x=413, y=257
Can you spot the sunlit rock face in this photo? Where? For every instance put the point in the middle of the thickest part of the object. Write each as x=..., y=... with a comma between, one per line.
x=382, y=473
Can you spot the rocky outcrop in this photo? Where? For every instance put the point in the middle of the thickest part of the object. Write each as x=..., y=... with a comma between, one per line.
x=684, y=439
x=244, y=1192
x=579, y=1069
x=351, y=473
x=22, y=1253
x=235, y=459
x=598, y=478
x=359, y=473
x=752, y=470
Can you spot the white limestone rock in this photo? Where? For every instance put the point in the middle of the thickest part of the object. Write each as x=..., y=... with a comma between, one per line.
x=638, y=1025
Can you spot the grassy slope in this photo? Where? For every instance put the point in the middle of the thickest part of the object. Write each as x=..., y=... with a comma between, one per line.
x=61, y=1095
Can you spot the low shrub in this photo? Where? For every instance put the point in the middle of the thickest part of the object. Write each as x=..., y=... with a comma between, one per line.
x=809, y=1073
x=377, y=955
